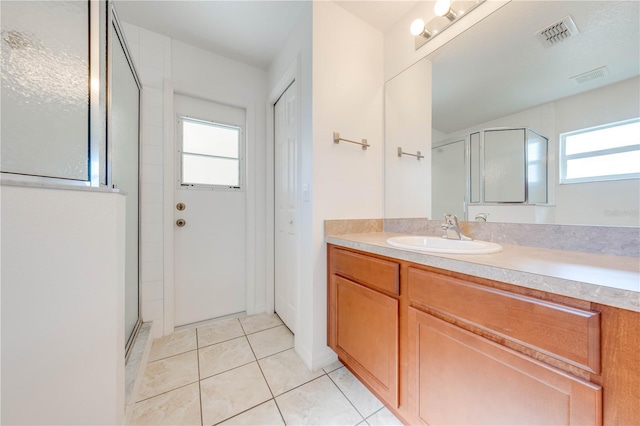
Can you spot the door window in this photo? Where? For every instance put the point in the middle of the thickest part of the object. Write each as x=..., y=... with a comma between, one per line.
x=210, y=154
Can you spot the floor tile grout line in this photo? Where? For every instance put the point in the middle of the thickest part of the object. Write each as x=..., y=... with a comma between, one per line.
x=170, y=356
x=222, y=341
x=264, y=329
x=376, y=412
x=199, y=380
x=345, y=395
x=226, y=371
x=280, y=411
x=209, y=322
x=265, y=380
x=223, y=420
x=299, y=386
x=165, y=392
x=244, y=411
x=270, y=355
x=260, y=367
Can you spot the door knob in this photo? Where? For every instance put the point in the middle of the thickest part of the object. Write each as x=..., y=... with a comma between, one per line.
x=181, y=222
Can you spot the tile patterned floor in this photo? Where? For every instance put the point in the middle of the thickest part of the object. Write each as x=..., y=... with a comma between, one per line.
x=244, y=371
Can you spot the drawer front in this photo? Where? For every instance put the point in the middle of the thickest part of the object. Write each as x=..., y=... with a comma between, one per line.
x=375, y=273
x=569, y=334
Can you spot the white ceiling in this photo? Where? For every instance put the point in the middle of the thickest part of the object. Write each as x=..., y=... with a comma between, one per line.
x=380, y=14
x=251, y=32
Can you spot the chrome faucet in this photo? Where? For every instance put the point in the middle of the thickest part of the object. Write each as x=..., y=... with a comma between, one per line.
x=452, y=228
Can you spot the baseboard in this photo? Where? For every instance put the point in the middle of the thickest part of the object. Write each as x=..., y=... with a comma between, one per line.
x=316, y=361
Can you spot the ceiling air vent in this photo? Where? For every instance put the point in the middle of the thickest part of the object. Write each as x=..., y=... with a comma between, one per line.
x=557, y=32
x=590, y=75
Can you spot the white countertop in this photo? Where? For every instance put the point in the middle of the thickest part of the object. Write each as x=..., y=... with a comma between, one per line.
x=605, y=279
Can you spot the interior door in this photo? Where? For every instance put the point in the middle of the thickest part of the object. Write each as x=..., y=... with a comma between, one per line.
x=210, y=246
x=286, y=226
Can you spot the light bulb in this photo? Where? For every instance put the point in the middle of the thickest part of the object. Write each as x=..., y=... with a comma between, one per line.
x=417, y=27
x=442, y=7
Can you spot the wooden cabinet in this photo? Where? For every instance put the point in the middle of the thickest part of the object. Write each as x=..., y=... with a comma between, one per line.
x=363, y=322
x=460, y=378
x=438, y=347
x=562, y=332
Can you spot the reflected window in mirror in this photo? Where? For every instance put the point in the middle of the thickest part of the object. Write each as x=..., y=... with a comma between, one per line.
x=607, y=152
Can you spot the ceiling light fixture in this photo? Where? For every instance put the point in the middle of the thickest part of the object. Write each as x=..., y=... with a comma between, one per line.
x=442, y=9
x=418, y=29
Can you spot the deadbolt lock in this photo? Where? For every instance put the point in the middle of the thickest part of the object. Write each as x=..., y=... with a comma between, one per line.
x=181, y=222
x=180, y=206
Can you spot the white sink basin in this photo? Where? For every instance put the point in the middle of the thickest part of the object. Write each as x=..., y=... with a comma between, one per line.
x=443, y=245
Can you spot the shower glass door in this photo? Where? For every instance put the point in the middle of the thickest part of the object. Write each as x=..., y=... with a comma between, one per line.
x=124, y=118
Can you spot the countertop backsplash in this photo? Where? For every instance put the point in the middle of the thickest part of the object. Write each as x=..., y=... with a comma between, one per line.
x=621, y=241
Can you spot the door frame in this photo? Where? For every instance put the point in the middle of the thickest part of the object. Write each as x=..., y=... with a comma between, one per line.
x=291, y=74
x=169, y=180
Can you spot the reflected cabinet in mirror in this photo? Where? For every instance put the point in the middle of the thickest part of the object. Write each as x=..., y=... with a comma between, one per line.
x=524, y=128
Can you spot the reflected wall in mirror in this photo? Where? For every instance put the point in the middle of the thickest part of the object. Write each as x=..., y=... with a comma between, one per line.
x=408, y=126
x=500, y=74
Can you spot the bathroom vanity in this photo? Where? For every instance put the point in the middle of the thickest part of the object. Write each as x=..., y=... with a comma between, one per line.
x=479, y=339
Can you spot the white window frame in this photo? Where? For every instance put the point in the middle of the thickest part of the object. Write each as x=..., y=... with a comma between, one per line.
x=202, y=186
x=564, y=158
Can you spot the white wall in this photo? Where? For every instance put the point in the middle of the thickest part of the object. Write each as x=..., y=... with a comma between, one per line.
x=167, y=66
x=62, y=306
x=348, y=84
x=593, y=203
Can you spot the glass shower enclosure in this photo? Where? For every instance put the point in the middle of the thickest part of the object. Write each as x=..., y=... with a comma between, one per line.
x=124, y=151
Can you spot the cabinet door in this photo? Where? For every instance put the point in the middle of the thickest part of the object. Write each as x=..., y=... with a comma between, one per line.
x=365, y=324
x=459, y=378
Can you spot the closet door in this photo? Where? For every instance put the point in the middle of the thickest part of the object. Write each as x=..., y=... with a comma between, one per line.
x=124, y=115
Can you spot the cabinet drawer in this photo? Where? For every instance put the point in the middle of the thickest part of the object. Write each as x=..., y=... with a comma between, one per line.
x=569, y=334
x=375, y=273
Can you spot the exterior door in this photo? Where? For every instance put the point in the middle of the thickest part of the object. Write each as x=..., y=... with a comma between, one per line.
x=286, y=226
x=210, y=246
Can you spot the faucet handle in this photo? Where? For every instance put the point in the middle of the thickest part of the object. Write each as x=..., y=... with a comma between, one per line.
x=451, y=219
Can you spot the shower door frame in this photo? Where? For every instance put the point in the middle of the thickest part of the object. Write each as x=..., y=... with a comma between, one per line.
x=114, y=23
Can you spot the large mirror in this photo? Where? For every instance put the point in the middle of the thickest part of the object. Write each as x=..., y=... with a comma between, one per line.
x=500, y=74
